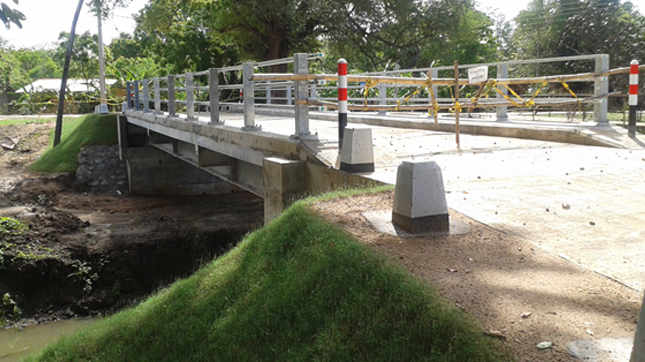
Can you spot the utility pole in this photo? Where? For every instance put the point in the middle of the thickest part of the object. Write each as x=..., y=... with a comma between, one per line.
x=103, y=92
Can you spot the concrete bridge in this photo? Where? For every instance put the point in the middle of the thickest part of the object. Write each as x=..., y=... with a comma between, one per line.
x=283, y=152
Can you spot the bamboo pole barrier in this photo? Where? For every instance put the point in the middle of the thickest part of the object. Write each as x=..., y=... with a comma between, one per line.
x=479, y=104
x=457, y=106
x=582, y=77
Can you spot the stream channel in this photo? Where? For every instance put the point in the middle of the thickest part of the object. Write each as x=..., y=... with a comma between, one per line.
x=17, y=343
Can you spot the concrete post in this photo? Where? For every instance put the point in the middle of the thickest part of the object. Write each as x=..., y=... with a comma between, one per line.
x=128, y=94
x=502, y=112
x=313, y=91
x=301, y=66
x=137, y=104
x=249, y=96
x=190, y=96
x=419, y=199
x=146, y=96
x=157, y=96
x=357, y=154
x=213, y=91
x=289, y=96
x=382, y=94
x=171, y=96
x=638, y=352
x=435, y=88
x=601, y=86
x=284, y=183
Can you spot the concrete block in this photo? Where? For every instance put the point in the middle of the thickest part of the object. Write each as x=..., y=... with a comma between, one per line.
x=284, y=183
x=419, y=199
x=357, y=154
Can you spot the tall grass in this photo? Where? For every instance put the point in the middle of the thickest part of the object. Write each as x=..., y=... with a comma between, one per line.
x=299, y=289
x=91, y=129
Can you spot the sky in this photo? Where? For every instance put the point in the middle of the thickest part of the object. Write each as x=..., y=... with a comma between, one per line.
x=47, y=18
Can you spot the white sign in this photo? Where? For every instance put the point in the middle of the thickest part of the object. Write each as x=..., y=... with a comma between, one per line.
x=477, y=75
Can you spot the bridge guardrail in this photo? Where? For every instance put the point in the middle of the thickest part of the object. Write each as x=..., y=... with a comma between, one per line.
x=193, y=93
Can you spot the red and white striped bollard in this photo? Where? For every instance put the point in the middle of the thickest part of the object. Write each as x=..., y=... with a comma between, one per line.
x=633, y=97
x=342, y=101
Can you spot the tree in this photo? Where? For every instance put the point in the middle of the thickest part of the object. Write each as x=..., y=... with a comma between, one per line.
x=63, y=86
x=84, y=56
x=550, y=28
x=179, y=34
x=9, y=15
x=375, y=32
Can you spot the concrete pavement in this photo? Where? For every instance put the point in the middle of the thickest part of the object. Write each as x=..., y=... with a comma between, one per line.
x=585, y=203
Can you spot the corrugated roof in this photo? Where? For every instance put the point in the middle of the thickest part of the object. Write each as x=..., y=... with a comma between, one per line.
x=73, y=85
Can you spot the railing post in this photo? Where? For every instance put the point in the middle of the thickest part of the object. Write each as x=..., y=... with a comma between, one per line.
x=268, y=93
x=601, y=86
x=435, y=88
x=249, y=96
x=146, y=96
x=382, y=93
x=300, y=66
x=157, y=96
x=213, y=91
x=128, y=95
x=137, y=105
x=342, y=101
x=289, y=96
x=190, y=96
x=502, y=111
x=171, y=96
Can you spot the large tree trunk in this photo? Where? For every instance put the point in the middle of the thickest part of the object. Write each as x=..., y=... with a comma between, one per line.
x=63, y=84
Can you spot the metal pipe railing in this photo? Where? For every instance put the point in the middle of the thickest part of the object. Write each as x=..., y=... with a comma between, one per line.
x=202, y=90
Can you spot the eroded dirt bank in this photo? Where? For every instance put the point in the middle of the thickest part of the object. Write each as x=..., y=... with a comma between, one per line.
x=85, y=253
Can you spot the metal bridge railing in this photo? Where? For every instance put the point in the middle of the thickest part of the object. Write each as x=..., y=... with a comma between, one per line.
x=199, y=92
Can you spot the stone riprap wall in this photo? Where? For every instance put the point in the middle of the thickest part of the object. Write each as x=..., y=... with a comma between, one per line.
x=101, y=170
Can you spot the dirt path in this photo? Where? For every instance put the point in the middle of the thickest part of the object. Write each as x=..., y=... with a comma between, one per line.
x=518, y=291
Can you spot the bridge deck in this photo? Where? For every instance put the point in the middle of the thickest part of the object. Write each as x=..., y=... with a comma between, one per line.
x=581, y=202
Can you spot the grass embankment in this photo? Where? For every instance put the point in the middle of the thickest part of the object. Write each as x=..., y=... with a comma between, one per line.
x=91, y=129
x=299, y=289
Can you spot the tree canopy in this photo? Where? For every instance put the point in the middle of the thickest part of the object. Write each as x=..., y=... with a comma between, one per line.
x=370, y=33
x=9, y=15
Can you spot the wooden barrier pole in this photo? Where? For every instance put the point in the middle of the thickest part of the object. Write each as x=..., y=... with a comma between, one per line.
x=457, y=104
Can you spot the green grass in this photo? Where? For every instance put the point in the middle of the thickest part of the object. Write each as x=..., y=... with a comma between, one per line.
x=6, y=122
x=299, y=289
x=91, y=129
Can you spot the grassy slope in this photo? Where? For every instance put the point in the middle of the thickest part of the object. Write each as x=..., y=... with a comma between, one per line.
x=91, y=129
x=296, y=290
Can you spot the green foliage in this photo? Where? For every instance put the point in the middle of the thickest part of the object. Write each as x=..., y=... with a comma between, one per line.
x=9, y=226
x=8, y=309
x=92, y=129
x=4, y=246
x=85, y=59
x=297, y=290
x=9, y=15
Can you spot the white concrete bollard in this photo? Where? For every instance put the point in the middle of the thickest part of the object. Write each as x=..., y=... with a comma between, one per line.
x=357, y=153
x=419, y=199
